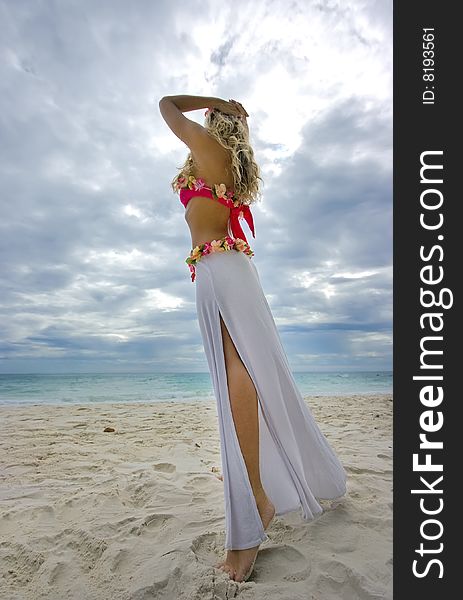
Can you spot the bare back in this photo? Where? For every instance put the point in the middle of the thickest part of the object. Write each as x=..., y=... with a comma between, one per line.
x=206, y=218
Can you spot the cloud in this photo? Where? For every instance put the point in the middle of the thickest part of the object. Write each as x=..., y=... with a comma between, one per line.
x=93, y=241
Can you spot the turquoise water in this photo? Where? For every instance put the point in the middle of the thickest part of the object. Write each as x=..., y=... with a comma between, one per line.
x=161, y=387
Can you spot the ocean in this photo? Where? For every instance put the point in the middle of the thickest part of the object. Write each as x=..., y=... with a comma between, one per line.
x=82, y=388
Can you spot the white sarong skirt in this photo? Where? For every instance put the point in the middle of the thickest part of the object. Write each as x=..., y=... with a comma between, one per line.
x=297, y=464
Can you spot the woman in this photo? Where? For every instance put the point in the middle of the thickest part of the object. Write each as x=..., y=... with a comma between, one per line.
x=274, y=457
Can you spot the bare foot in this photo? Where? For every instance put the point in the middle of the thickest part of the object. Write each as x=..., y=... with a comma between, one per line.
x=238, y=562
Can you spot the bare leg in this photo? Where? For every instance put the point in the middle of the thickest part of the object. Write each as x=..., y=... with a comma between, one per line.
x=243, y=400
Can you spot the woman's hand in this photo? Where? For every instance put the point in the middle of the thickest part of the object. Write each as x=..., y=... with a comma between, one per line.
x=244, y=112
x=232, y=107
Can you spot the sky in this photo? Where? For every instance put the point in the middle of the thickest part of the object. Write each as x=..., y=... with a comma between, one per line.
x=92, y=238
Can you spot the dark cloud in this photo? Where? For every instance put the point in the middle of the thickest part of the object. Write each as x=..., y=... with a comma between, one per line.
x=220, y=56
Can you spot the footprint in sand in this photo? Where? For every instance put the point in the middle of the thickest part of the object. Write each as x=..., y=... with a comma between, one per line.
x=384, y=456
x=118, y=559
x=164, y=467
x=208, y=547
x=338, y=580
x=198, y=483
x=281, y=562
x=141, y=494
x=22, y=561
x=153, y=522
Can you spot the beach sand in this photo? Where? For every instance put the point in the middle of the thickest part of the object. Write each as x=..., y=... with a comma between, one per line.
x=137, y=513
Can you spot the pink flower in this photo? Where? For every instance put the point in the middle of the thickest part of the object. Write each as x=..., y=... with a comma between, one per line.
x=207, y=248
x=193, y=272
x=180, y=183
x=199, y=184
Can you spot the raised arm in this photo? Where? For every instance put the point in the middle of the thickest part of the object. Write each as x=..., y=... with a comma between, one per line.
x=173, y=107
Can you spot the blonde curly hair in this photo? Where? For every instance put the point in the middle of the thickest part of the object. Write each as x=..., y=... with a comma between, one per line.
x=233, y=135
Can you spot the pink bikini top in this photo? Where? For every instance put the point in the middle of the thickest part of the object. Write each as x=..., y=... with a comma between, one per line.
x=192, y=187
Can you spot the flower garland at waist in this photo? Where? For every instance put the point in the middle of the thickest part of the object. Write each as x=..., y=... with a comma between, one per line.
x=223, y=245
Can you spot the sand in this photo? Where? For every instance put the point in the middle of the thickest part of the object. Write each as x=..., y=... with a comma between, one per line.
x=137, y=513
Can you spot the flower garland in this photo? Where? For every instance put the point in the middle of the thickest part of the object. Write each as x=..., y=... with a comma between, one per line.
x=223, y=245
